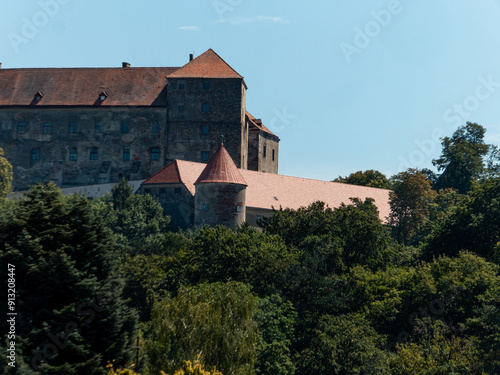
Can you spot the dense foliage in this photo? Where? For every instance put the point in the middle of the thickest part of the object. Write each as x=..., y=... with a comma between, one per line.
x=318, y=290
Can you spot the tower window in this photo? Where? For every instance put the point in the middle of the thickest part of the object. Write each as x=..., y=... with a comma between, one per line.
x=21, y=127
x=206, y=108
x=47, y=128
x=205, y=155
x=98, y=127
x=205, y=129
x=181, y=107
x=238, y=208
x=73, y=154
x=206, y=85
x=204, y=207
x=124, y=127
x=155, y=127
x=35, y=155
x=72, y=127
x=94, y=155
x=126, y=154
x=181, y=86
x=264, y=152
x=273, y=155
x=155, y=153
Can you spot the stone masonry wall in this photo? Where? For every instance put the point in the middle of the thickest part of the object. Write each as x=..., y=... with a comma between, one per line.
x=82, y=146
x=200, y=111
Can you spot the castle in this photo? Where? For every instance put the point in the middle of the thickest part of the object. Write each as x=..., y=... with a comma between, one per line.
x=161, y=128
x=84, y=126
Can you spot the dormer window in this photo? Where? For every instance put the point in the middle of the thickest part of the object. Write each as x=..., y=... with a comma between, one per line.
x=103, y=96
x=38, y=96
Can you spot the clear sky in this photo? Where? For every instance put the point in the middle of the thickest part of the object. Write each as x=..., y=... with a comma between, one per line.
x=346, y=85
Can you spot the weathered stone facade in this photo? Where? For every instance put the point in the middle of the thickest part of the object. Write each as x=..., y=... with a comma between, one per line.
x=81, y=147
x=201, y=113
x=85, y=126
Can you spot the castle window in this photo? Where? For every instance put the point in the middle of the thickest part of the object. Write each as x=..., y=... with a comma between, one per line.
x=205, y=129
x=72, y=127
x=126, y=154
x=206, y=108
x=163, y=191
x=94, y=155
x=124, y=127
x=35, y=155
x=21, y=127
x=204, y=207
x=73, y=154
x=238, y=208
x=182, y=86
x=155, y=153
x=205, y=155
x=181, y=107
x=206, y=85
x=264, y=152
x=47, y=128
x=98, y=127
x=273, y=155
x=155, y=127
x=147, y=191
x=177, y=191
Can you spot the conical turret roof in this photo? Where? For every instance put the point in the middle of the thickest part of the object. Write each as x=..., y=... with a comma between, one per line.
x=221, y=169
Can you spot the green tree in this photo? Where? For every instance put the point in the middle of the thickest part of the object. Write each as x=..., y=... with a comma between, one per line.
x=211, y=321
x=461, y=159
x=370, y=178
x=473, y=225
x=409, y=200
x=245, y=255
x=276, y=319
x=350, y=234
x=485, y=325
x=71, y=317
x=5, y=175
x=344, y=344
x=137, y=220
x=437, y=350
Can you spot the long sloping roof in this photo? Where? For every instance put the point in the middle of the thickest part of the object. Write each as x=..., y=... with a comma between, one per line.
x=208, y=65
x=221, y=168
x=82, y=86
x=268, y=190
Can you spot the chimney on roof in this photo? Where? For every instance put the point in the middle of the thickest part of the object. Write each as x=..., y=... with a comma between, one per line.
x=0, y=65
x=125, y=65
x=191, y=57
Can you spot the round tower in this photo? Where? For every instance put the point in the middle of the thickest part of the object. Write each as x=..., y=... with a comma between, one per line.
x=220, y=195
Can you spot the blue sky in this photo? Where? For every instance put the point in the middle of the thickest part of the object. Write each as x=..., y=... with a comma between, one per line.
x=346, y=85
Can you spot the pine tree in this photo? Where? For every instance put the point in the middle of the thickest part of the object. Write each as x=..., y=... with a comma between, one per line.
x=71, y=318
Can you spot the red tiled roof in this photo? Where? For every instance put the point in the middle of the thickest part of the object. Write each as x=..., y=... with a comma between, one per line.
x=221, y=168
x=82, y=86
x=268, y=190
x=255, y=124
x=207, y=65
x=168, y=175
